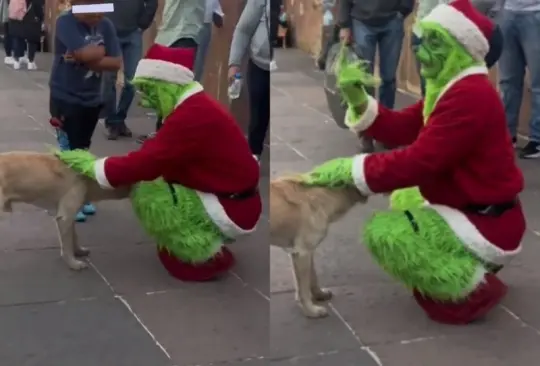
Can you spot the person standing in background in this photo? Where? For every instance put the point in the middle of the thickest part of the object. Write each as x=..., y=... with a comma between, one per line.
x=371, y=24
x=181, y=24
x=8, y=44
x=213, y=15
x=130, y=18
x=519, y=21
x=25, y=25
x=253, y=33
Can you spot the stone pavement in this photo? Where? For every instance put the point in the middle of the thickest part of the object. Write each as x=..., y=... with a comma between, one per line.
x=125, y=310
x=374, y=321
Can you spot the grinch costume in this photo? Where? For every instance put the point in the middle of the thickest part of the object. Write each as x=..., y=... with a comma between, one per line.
x=195, y=183
x=446, y=239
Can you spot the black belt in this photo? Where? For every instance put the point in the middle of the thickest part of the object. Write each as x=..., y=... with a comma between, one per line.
x=231, y=196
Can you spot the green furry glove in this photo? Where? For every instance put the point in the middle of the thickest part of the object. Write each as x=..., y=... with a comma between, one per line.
x=352, y=80
x=81, y=161
x=334, y=173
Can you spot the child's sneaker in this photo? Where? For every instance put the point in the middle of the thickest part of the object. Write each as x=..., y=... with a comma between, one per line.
x=80, y=217
x=31, y=66
x=8, y=60
x=89, y=209
x=16, y=65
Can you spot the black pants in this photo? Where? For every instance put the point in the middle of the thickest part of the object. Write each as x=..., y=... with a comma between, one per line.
x=258, y=81
x=78, y=122
x=8, y=41
x=21, y=45
x=179, y=43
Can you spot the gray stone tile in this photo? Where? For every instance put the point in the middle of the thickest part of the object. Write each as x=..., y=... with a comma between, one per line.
x=24, y=146
x=202, y=326
x=505, y=347
x=292, y=334
x=42, y=276
x=82, y=333
x=388, y=313
x=253, y=258
x=356, y=357
x=28, y=228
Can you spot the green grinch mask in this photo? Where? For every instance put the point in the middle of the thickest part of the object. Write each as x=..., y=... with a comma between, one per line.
x=159, y=95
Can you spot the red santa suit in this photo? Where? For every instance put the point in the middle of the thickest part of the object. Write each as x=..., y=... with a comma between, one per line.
x=200, y=147
x=461, y=159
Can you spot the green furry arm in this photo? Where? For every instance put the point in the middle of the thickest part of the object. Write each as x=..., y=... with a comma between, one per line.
x=80, y=161
x=352, y=80
x=335, y=173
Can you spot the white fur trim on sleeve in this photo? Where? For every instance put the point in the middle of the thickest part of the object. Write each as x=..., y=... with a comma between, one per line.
x=462, y=28
x=101, y=177
x=366, y=120
x=472, y=238
x=219, y=216
x=359, y=174
x=165, y=71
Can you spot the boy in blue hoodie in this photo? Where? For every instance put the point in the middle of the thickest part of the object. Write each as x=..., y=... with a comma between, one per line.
x=85, y=45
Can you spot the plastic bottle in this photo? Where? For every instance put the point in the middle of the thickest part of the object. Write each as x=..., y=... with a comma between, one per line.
x=62, y=138
x=236, y=87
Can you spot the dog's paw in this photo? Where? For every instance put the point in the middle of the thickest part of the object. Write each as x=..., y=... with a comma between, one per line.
x=322, y=294
x=314, y=311
x=82, y=252
x=77, y=265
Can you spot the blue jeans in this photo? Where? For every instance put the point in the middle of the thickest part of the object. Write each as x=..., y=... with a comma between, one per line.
x=415, y=42
x=389, y=38
x=131, y=46
x=205, y=36
x=521, y=33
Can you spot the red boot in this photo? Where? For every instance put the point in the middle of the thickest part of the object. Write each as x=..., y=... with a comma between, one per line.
x=486, y=296
x=201, y=272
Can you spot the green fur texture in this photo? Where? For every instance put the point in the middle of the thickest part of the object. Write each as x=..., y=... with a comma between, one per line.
x=184, y=229
x=432, y=261
x=334, y=173
x=406, y=199
x=81, y=161
x=352, y=78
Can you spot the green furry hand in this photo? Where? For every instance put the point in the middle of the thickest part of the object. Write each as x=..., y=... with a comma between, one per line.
x=352, y=79
x=334, y=173
x=80, y=161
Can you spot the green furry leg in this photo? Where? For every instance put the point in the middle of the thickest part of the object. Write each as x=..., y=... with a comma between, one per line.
x=184, y=229
x=406, y=199
x=423, y=254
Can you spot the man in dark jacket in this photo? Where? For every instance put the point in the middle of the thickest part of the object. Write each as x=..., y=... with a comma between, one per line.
x=130, y=18
x=373, y=24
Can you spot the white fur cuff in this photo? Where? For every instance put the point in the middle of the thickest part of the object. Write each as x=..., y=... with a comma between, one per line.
x=165, y=71
x=359, y=174
x=366, y=120
x=101, y=176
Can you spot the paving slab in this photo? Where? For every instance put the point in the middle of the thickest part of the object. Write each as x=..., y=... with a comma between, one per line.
x=356, y=357
x=76, y=333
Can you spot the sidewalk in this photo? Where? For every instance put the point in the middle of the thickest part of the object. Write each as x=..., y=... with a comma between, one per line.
x=125, y=310
x=374, y=321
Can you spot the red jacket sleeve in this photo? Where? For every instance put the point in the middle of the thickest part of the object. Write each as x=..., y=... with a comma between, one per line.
x=448, y=139
x=392, y=128
x=176, y=143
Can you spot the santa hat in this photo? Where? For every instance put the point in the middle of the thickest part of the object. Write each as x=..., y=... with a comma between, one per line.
x=468, y=26
x=173, y=65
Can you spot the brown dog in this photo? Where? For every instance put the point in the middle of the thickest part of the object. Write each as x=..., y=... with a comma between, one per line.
x=299, y=221
x=44, y=181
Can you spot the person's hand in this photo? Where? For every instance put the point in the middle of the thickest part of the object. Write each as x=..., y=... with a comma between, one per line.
x=68, y=57
x=345, y=35
x=233, y=70
x=217, y=20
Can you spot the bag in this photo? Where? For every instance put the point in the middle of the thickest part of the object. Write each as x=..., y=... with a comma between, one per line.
x=17, y=9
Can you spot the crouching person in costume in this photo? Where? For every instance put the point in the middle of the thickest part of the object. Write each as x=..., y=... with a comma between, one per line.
x=449, y=248
x=195, y=184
